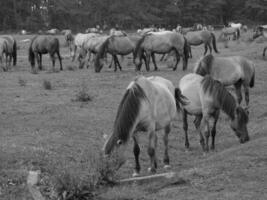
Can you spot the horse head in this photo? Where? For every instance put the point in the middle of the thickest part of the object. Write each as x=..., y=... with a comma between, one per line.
x=239, y=124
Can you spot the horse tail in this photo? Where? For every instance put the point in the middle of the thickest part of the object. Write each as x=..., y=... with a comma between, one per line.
x=204, y=65
x=252, y=80
x=101, y=52
x=214, y=43
x=180, y=99
x=14, y=53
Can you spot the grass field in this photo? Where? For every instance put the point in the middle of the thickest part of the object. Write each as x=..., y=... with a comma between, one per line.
x=48, y=129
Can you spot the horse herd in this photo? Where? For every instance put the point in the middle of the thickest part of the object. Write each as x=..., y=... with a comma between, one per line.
x=151, y=103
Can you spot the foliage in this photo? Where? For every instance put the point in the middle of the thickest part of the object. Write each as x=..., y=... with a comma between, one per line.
x=80, y=14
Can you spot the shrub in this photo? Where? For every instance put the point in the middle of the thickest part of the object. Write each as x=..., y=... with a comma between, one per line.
x=47, y=85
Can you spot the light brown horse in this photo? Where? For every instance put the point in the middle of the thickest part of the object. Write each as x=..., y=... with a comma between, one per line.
x=43, y=44
x=205, y=37
x=161, y=43
x=8, y=46
x=91, y=46
x=148, y=105
x=233, y=70
x=205, y=98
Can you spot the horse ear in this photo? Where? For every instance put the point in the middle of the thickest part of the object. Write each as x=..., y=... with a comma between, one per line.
x=119, y=141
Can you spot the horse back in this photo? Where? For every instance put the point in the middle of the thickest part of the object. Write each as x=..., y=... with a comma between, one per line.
x=161, y=106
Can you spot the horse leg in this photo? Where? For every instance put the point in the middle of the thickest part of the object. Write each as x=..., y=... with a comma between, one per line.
x=178, y=60
x=213, y=130
x=118, y=62
x=136, y=151
x=246, y=90
x=263, y=53
x=201, y=123
x=210, y=48
x=185, y=127
x=237, y=86
x=148, y=54
x=154, y=62
x=152, y=145
x=162, y=57
x=38, y=58
x=40, y=66
x=52, y=56
x=60, y=61
x=6, y=68
x=166, y=159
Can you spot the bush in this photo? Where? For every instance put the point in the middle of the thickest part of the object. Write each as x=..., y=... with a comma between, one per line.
x=83, y=95
x=47, y=85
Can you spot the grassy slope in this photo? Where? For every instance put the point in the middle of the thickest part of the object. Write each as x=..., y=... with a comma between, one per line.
x=45, y=129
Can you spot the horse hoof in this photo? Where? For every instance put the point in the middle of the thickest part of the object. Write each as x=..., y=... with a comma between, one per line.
x=167, y=167
x=135, y=174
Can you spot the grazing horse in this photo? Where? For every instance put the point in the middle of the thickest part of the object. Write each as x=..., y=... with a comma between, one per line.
x=161, y=43
x=261, y=31
x=69, y=39
x=79, y=40
x=205, y=98
x=115, y=45
x=149, y=104
x=233, y=70
x=43, y=44
x=92, y=45
x=205, y=37
x=9, y=48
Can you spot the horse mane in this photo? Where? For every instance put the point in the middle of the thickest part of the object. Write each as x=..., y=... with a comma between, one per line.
x=128, y=111
x=138, y=46
x=224, y=98
x=204, y=65
x=31, y=54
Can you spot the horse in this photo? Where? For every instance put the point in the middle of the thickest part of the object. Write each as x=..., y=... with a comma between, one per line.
x=92, y=45
x=205, y=37
x=52, y=31
x=43, y=44
x=149, y=104
x=233, y=70
x=79, y=40
x=113, y=31
x=261, y=31
x=205, y=98
x=228, y=31
x=161, y=43
x=9, y=47
x=69, y=39
x=115, y=45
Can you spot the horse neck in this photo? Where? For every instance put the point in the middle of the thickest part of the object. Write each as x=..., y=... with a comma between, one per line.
x=128, y=112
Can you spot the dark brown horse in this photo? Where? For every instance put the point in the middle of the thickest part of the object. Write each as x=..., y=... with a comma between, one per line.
x=161, y=43
x=43, y=44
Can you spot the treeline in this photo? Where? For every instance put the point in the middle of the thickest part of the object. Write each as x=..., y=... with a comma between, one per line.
x=80, y=14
